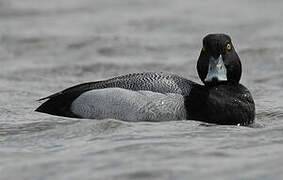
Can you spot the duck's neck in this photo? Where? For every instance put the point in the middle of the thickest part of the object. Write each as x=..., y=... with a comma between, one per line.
x=220, y=83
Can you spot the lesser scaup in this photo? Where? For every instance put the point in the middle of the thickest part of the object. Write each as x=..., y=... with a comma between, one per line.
x=162, y=97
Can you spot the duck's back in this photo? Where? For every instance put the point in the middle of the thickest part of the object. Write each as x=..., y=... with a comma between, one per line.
x=59, y=103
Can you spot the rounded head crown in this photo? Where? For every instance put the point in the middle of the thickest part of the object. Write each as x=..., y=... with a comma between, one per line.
x=218, y=61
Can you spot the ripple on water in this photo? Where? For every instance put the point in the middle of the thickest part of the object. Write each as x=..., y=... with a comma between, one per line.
x=7, y=129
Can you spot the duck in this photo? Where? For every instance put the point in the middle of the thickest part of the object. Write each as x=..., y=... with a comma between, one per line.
x=161, y=96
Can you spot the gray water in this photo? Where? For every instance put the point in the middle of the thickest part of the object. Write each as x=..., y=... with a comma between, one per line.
x=49, y=45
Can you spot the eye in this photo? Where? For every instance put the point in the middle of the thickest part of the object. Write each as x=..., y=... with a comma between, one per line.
x=228, y=46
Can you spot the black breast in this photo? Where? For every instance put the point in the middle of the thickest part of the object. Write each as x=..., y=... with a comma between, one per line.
x=221, y=104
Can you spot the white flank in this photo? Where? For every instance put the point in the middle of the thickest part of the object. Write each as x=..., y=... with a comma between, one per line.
x=128, y=105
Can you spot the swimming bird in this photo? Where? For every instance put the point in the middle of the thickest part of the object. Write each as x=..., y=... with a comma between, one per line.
x=151, y=96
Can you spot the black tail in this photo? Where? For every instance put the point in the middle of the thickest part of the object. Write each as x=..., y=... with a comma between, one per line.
x=59, y=105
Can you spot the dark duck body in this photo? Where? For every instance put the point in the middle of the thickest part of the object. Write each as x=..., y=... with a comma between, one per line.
x=162, y=97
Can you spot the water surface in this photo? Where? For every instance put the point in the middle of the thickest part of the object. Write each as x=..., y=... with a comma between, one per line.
x=46, y=46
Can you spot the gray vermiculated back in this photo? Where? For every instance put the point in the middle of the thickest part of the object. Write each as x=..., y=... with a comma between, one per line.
x=59, y=103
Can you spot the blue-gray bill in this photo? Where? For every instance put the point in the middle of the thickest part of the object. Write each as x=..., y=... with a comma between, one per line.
x=216, y=70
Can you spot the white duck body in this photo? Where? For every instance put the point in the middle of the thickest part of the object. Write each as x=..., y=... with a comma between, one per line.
x=129, y=105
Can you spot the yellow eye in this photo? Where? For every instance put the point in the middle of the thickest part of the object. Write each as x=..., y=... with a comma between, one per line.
x=203, y=48
x=228, y=47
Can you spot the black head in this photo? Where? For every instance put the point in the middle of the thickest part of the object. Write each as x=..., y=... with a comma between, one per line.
x=218, y=61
